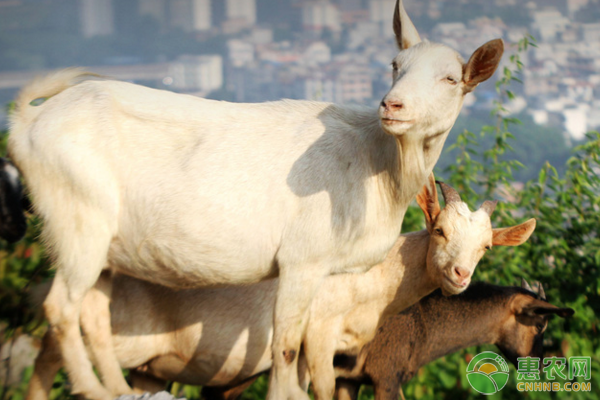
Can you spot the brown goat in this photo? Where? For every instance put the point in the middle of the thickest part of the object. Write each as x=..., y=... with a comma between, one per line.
x=512, y=318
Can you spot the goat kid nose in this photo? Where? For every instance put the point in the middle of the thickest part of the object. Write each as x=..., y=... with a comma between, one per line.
x=462, y=275
x=392, y=104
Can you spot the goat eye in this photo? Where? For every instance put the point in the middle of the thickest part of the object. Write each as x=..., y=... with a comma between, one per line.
x=439, y=231
x=451, y=80
x=488, y=247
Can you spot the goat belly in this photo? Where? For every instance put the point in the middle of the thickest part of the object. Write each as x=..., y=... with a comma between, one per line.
x=203, y=336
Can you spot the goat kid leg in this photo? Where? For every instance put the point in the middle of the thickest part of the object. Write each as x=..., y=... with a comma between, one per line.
x=95, y=323
x=320, y=350
x=143, y=383
x=346, y=389
x=386, y=389
x=47, y=364
x=224, y=393
x=303, y=372
x=297, y=287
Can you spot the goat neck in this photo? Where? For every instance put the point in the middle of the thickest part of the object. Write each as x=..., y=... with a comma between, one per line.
x=449, y=324
x=402, y=277
x=400, y=163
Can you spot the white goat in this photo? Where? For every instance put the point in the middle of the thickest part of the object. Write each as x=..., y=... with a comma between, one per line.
x=222, y=337
x=188, y=192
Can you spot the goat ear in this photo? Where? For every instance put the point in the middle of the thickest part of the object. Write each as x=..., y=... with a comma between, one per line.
x=561, y=312
x=514, y=235
x=427, y=199
x=547, y=309
x=528, y=306
x=406, y=33
x=482, y=64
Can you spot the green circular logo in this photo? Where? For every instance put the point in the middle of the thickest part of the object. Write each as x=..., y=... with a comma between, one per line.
x=487, y=372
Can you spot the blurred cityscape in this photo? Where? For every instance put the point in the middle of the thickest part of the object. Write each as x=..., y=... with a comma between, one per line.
x=329, y=50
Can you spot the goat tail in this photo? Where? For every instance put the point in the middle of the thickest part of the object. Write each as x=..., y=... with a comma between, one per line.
x=32, y=96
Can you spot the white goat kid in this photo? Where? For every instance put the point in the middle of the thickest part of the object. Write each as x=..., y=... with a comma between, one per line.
x=188, y=192
x=222, y=337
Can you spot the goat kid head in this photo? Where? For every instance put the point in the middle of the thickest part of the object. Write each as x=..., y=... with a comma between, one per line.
x=430, y=81
x=522, y=330
x=459, y=237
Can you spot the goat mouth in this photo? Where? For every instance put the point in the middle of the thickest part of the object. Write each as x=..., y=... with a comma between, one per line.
x=393, y=121
x=454, y=284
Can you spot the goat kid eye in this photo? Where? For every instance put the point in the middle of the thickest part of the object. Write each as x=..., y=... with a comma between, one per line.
x=438, y=231
x=451, y=80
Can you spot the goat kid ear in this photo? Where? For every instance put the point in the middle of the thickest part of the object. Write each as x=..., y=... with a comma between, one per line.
x=530, y=307
x=514, y=235
x=548, y=309
x=482, y=64
x=427, y=199
x=406, y=33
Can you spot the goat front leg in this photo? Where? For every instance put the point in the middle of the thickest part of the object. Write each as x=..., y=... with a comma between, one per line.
x=297, y=287
x=47, y=364
x=346, y=389
x=81, y=245
x=387, y=388
x=95, y=323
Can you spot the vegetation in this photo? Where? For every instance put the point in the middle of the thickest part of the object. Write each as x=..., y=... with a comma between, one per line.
x=525, y=146
x=563, y=254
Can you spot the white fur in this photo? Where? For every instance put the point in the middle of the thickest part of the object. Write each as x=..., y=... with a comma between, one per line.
x=221, y=337
x=189, y=192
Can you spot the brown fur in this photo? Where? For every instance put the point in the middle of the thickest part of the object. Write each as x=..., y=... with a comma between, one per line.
x=439, y=325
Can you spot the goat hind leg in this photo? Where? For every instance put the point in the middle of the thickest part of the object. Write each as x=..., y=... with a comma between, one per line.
x=80, y=257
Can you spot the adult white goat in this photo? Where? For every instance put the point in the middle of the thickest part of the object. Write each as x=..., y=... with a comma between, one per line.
x=221, y=337
x=189, y=192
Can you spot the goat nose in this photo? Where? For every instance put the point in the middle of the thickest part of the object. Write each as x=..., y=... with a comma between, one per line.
x=461, y=273
x=392, y=104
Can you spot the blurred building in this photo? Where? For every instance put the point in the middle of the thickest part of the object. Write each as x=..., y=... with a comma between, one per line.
x=319, y=15
x=193, y=73
x=189, y=15
x=382, y=12
x=239, y=14
x=96, y=17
